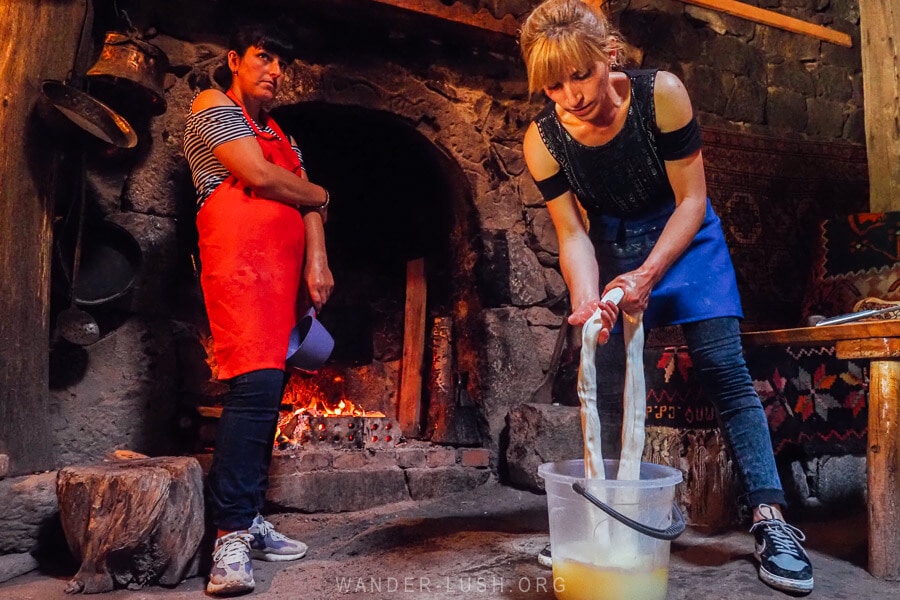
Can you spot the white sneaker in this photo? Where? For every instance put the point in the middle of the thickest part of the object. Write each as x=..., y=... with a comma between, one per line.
x=268, y=544
x=232, y=571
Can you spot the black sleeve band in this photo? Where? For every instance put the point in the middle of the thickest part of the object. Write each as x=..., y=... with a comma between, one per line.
x=680, y=143
x=554, y=186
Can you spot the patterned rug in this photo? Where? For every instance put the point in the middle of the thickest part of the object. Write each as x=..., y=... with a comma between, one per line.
x=772, y=194
x=813, y=400
x=858, y=257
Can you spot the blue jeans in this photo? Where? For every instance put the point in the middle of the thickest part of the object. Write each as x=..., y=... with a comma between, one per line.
x=245, y=435
x=716, y=353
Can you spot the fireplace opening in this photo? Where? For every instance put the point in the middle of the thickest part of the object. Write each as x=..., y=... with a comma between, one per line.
x=396, y=198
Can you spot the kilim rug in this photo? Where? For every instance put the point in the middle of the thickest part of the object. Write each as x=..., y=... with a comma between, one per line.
x=813, y=400
x=772, y=195
x=858, y=257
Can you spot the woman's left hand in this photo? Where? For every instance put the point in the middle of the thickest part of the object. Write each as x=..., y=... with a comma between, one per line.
x=319, y=281
x=637, y=286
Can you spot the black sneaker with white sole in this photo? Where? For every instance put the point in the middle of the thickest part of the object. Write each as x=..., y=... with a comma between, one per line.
x=544, y=558
x=783, y=563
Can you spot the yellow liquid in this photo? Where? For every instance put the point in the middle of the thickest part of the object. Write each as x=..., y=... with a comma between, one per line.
x=573, y=580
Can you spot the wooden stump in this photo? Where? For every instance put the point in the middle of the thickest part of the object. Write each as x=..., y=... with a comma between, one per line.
x=709, y=493
x=132, y=522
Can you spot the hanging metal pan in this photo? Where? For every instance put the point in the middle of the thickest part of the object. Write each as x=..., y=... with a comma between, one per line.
x=90, y=114
x=111, y=260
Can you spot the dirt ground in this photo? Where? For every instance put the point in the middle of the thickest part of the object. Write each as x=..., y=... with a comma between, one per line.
x=482, y=544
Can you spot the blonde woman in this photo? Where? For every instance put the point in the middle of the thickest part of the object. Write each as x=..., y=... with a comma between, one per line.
x=625, y=145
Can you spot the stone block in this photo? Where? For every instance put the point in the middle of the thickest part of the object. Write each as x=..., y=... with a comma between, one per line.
x=432, y=483
x=441, y=457
x=337, y=491
x=380, y=459
x=125, y=398
x=314, y=461
x=512, y=370
x=839, y=480
x=29, y=504
x=410, y=457
x=540, y=433
x=348, y=461
x=510, y=271
x=13, y=565
x=475, y=457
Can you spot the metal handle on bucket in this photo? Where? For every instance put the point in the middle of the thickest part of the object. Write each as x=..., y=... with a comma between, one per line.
x=669, y=533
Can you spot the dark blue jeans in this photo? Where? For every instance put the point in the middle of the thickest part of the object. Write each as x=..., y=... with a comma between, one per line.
x=245, y=435
x=716, y=353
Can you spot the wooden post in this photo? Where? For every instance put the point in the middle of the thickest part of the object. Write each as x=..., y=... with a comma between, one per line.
x=410, y=397
x=441, y=397
x=883, y=452
x=40, y=37
x=883, y=469
x=879, y=24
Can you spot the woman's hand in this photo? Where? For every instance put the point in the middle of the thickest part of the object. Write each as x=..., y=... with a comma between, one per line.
x=319, y=281
x=637, y=286
x=609, y=312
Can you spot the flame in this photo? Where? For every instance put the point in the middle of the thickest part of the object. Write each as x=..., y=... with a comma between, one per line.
x=309, y=398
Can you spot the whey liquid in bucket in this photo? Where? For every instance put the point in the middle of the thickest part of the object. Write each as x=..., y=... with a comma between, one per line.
x=574, y=580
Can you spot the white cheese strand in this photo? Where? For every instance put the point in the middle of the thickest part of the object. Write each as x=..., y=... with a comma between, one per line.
x=587, y=394
x=634, y=400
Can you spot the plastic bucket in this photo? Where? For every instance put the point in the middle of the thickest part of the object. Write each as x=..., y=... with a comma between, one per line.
x=597, y=557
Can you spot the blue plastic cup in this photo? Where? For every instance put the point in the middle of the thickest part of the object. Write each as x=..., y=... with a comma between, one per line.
x=310, y=344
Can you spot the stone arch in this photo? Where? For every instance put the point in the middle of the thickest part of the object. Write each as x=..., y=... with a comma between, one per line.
x=453, y=118
x=395, y=197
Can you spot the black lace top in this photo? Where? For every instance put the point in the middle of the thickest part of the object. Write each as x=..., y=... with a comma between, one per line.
x=626, y=177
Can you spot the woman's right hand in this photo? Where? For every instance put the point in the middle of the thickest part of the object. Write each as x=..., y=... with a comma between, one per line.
x=609, y=312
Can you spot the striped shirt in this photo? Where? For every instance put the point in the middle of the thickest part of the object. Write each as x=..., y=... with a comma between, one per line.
x=204, y=131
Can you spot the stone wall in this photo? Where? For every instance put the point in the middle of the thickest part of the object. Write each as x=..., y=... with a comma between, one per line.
x=471, y=103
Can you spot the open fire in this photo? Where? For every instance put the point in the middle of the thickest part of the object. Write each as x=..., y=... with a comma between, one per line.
x=321, y=413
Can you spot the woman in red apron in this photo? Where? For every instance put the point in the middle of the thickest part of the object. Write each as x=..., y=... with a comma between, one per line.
x=261, y=241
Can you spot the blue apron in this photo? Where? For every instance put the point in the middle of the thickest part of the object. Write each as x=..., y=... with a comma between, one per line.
x=699, y=285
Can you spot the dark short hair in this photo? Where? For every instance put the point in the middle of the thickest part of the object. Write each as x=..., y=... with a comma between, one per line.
x=267, y=36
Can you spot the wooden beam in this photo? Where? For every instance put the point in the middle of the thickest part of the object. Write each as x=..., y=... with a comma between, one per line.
x=410, y=396
x=40, y=43
x=879, y=22
x=799, y=336
x=458, y=13
x=774, y=19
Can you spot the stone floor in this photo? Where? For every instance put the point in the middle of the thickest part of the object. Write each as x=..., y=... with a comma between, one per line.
x=482, y=544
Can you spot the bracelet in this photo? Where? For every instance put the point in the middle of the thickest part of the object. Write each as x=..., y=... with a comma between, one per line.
x=324, y=205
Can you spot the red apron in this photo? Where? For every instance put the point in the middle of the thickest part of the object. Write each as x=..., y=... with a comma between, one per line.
x=251, y=256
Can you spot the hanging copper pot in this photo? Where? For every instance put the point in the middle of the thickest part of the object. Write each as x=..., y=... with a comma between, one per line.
x=132, y=66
